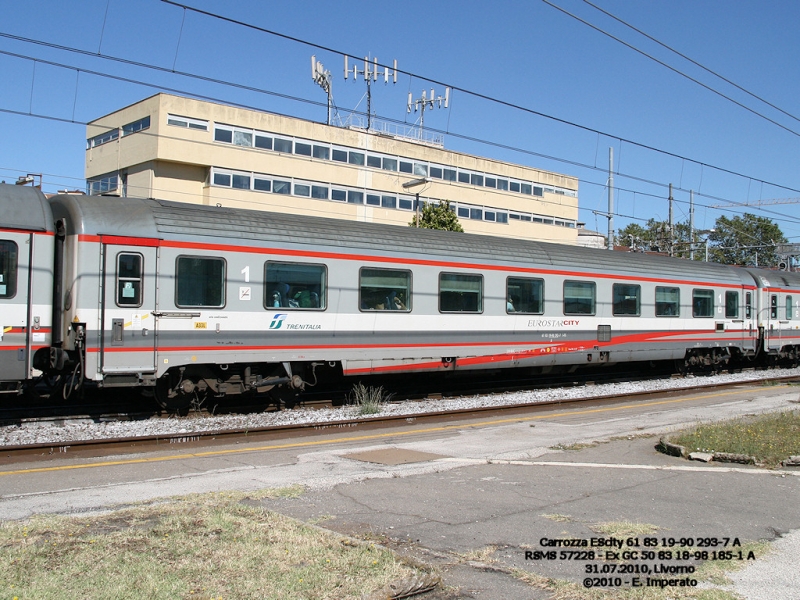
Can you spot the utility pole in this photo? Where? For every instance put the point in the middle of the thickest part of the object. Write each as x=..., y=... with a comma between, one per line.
x=691, y=224
x=671, y=240
x=611, y=198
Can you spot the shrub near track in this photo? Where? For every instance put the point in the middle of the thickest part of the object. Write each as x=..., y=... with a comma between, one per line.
x=211, y=546
x=769, y=438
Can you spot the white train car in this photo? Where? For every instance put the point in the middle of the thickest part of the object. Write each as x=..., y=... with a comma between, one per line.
x=191, y=301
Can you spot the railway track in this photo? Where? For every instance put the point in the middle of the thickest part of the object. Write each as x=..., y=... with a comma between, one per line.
x=190, y=434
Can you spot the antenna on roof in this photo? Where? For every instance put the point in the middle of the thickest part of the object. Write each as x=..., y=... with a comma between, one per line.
x=423, y=102
x=371, y=72
x=323, y=79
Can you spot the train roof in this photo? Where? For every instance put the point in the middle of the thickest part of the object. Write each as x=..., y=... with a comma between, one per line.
x=151, y=218
x=24, y=207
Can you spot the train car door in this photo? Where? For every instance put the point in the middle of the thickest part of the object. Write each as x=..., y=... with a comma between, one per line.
x=128, y=299
x=16, y=249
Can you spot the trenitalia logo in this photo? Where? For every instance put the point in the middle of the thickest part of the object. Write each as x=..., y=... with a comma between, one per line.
x=277, y=321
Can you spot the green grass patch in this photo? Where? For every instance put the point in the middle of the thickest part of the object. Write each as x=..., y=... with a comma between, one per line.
x=369, y=400
x=204, y=546
x=769, y=438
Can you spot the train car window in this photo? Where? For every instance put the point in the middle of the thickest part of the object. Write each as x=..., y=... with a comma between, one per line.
x=460, y=293
x=731, y=305
x=199, y=282
x=702, y=303
x=773, y=307
x=626, y=299
x=748, y=305
x=129, y=279
x=525, y=295
x=579, y=297
x=8, y=269
x=789, y=312
x=668, y=301
x=295, y=285
x=384, y=289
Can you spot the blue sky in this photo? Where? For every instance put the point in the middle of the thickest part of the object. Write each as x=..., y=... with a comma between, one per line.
x=568, y=92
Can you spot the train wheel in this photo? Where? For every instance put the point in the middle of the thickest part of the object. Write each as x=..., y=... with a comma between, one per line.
x=169, y=400
x=284, y=396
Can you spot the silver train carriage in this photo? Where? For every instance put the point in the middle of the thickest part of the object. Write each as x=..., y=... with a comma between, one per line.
x=189, y=300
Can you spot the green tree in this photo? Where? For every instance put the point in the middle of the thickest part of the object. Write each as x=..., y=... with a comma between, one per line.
x=746, y=240
x=438, y=216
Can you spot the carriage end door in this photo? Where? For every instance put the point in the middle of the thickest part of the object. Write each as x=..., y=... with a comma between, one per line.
x=128, y=300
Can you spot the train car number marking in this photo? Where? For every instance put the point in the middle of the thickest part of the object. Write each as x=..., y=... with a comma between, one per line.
x=201, y=325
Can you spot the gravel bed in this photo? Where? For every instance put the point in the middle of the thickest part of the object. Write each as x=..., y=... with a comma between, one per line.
x=60, y=431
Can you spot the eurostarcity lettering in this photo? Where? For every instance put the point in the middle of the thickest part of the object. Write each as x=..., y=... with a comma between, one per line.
x=544, y=323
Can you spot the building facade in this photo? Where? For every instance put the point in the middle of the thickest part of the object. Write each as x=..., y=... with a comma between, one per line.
x=175, y=148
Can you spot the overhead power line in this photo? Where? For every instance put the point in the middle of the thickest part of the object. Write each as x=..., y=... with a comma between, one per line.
x=667, y=66
x=694, y=62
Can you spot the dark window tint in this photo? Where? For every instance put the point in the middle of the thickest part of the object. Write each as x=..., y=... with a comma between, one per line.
x=8, y=269
x=199, y=282
x=354, y=197
x=436, y=172
x=514, y=186
x=281, y=187
x=302, y=149
x=463, y=177
x=262, y=185
x=322, y=152
x=460, y=293
x=319, y=191
x=385, y=289
x=282, y=145
x=241, y=182
x=222, y=179
x=731, y=305
x=339, y=155
x=449, y=175
x=406, y=167
x=374, y=161
x=702, y=303
x=388, y=202
x=301, y=189
x=525, y=295
x=491, y=182
x=626, y=299
x=129, y=279
x=526, y=188
x=405, y=204
x=263, y=142
x=356, y=158
x=476, y=179
x=339, y=195
x=373, y=199
x=668, y=301
x=223, y=135
x=295, y=285
x=390, y=164
x=579, y=297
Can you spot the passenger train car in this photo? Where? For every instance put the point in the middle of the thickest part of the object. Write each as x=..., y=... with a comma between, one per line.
x=190, y=301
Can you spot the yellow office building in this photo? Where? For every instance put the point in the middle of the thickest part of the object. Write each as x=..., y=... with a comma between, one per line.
x=175, y=148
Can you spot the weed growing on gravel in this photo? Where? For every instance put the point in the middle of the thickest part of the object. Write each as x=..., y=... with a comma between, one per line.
x=368, y=399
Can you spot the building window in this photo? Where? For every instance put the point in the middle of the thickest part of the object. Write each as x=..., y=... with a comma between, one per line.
x=339, y=195
x=129, y=279
x=103, y=138
x=222, y=179
x=339, y=155
x=281, y=145
x=579, y=297
x=385, y=289
x=302, y=149
x=187, y=122
x=406, y=167
x=295, y=285
x=390, y=164
x=319, y=191
x=388, y=202
x=223, y=135
x=301, y=189
x=525, y=295
x=354, y=197
x=241, y=182
x=322, y=152
x=243, y=138
x=702, y=303
x=8, y=269
x=460, y=293
x=264, y=142
x=139, y=125
x=373, y=199
x=668, y=301
x=626, y=299
x=374, y=161
x=199, y=282
x=262, y=185
x=281, y=187
x=102, y=185
x=789, y=312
